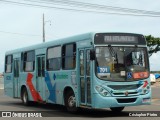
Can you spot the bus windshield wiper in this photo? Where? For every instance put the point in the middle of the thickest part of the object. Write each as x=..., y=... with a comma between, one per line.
x=113, y=54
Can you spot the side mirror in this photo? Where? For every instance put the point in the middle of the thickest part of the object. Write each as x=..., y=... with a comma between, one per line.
x=92, y=54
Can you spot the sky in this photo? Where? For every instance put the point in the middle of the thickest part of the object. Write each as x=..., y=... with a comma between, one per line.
x=21, y=26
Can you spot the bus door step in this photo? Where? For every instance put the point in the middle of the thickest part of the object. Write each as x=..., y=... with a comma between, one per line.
x=85, y=106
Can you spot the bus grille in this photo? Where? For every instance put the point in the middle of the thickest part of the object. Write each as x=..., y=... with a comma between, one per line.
x=124, y=87
x=123, y=94
x=127, y=100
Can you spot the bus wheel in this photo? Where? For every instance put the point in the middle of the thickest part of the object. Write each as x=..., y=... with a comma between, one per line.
x=70, y=102
x=117, y=109
x=25, y=97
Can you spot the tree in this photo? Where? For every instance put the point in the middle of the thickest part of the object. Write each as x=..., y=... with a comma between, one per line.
x=153, y=44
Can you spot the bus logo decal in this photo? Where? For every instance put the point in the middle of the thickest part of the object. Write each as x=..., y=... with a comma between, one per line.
x=51, y=88
x=60, y=76
x=34, y=93
x=126, y=93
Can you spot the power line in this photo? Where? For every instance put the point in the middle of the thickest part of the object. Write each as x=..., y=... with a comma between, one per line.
x=77, y=10
x=95, y=6
x=20, y=34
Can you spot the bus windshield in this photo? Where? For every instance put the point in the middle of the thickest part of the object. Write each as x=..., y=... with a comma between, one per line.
x=122, y=63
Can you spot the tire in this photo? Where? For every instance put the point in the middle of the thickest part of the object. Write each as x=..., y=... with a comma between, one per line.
x=24, y=97
x=70, y=102
x=117, y=109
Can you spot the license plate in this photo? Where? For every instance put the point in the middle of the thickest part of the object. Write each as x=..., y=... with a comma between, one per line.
x=145, y=100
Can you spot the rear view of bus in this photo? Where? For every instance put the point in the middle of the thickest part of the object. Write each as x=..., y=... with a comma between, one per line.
x=121, y=71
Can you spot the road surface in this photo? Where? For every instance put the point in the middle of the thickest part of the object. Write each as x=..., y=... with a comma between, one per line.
x=59, y=112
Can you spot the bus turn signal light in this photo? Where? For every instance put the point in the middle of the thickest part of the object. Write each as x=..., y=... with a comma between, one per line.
x=145, y=84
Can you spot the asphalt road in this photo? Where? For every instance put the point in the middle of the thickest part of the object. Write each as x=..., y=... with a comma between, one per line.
x=156, y=92
x=59, y=112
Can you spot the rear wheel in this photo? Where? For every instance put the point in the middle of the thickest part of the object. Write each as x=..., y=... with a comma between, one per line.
x=117, y=109
x=70, y=102
x=24, y=97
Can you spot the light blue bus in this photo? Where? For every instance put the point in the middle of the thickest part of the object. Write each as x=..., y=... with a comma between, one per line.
x=93, y=70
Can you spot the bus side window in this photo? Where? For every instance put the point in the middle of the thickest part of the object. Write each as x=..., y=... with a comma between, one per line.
x=16, y=68
x=69, y=56
x=88, y=62
x=29, y=61
x=81, y=63
x=54, y=58
x=22, y=58
x=8, y=64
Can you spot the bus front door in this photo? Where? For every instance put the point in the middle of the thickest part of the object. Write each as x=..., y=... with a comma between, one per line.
x=41, y=77
x=16, y=78
x=85, y=83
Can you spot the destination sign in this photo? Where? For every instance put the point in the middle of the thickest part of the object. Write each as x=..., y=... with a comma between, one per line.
x=113, y=39
x=119, y=38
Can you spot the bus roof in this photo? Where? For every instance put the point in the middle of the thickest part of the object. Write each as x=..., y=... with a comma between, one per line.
x=75, y=38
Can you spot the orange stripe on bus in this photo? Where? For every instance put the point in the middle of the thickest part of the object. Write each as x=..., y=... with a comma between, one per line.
x=32, y=89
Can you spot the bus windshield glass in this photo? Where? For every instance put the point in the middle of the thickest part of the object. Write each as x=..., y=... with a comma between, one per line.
x=122, y=63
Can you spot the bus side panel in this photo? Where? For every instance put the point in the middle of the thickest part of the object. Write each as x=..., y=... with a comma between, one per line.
x=56, y=82
x=66, y=79
x=28, y=80
x=50, y=87
x=8, y=84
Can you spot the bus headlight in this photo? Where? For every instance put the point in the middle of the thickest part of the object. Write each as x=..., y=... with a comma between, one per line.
x=102, y=91
x=146, y=91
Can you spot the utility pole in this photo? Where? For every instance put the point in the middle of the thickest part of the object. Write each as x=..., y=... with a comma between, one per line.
x=43, y=29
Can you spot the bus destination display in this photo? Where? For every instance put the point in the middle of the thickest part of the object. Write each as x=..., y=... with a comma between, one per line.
x=119, y=39
x=115, y=39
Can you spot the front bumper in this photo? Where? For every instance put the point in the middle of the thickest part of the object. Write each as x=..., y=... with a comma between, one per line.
x=107, y=102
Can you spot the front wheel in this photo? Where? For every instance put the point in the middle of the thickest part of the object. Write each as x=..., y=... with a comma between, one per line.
x=70, y=102
x=117, y=109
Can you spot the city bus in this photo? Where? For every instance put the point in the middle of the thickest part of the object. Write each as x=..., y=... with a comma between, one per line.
x=92, y=70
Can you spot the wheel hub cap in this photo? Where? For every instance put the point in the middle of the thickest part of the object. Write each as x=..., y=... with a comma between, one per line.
x=71, y=101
